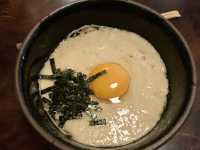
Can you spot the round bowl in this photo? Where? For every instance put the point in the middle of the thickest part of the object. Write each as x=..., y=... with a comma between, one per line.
x=122, y=14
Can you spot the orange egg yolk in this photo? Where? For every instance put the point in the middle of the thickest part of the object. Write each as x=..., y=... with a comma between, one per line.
x=114, y=83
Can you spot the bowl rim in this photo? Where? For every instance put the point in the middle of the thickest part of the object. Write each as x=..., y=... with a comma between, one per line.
x=60, y=144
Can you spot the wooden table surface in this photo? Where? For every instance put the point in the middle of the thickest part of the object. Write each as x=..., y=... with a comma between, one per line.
x=17, y=17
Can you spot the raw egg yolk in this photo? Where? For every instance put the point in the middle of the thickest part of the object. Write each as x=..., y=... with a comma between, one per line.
x=114, y=83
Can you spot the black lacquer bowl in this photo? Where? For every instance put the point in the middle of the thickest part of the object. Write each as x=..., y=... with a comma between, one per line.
x=120, y=14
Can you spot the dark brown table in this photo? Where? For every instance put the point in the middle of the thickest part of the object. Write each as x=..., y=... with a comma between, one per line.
x=17, y=17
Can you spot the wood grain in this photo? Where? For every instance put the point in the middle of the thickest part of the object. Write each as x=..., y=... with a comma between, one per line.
x=17, y=17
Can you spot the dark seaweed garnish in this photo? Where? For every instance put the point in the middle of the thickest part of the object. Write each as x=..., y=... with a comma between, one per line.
x=97, y=122
x=53, y=65
x=44, y=91
x=46, y=100
x=70, y=95
x=92, y=78
x=49, y=77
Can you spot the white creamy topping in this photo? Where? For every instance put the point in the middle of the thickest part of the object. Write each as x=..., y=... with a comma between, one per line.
x=137, y=112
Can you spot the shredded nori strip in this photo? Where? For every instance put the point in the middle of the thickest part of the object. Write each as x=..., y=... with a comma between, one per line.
x=70, y=94
x=35, y=77
x=45, y=77
x=92, y=78
x=97, y=122
x=44, y=91
x=53, y=65
x=46, y=100
x=49, y=77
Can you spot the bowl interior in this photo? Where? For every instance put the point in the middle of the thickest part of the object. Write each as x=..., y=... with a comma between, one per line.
x=121, y=15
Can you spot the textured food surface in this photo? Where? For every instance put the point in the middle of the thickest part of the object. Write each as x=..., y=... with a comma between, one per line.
x=134, y=114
